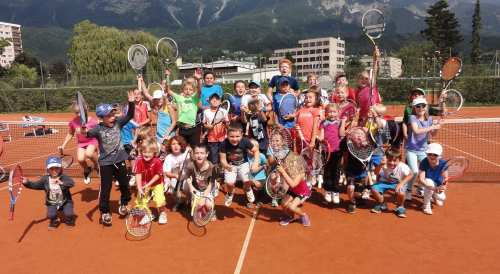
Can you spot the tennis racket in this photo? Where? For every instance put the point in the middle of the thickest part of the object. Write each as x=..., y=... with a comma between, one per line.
x=82, y=109
x=324, y=151
x=167, y=52
x=181, y=169
x=360, y=145
x=348, y=110
x=326, y=82
x=233, y=106
x=450, y=101
x=453, y=168
x=2, y=173
x=312, y=161
x=384, y=137
x=15, y=187
x=202, y=210
x=371, y=87
x=66, y=161
x=139, y=220
x=280, y=145
x=219, y=117
x=373, y=25
x=450, y=69
x=276, y=187
x=250, y=102
x=138, y=57
x=288, y=105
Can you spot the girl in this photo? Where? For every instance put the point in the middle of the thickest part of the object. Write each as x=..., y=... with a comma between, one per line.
x=86, y=146
x=178, y=155
x=292, y=171
x=330, y=131
x=307, y=119
x=362, y=92
x=419, y=127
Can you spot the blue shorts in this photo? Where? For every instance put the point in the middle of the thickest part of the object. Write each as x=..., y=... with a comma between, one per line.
x=213, y=156
x=375, y=159
x=382, y=187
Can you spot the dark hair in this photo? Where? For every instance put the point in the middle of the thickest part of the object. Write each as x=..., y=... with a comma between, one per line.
x=394, y=153
x=316, y=91
x=201, y=145
x=207, y=73
x=234, y=126
x=182, y=142
x=239, y=81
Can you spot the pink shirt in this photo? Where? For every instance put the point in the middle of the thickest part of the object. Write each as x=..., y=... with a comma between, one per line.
x=300, y=189
x=331, y=134
x=305, y=118
x=363, y=100
x=76, y=124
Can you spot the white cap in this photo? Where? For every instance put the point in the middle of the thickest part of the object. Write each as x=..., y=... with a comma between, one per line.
x=419, y=101
x=158, y=94
x=434, y=148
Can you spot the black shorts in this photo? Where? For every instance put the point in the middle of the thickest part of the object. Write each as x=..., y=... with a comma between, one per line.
x=357, y=183
x=213, y=156
x=302, y=198
x=128, y=149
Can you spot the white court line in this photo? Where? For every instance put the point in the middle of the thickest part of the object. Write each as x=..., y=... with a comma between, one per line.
x=247, y=240
x=454, y=131
x=469, y=154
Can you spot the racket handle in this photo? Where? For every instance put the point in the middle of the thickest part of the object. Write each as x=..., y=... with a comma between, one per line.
x=168, y=80
x=11, y=213
x=139, y=85
x=320, y=180
x=376, y=57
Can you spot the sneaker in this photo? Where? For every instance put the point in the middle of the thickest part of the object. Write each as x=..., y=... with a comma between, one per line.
x=328, y=196
x=360, y=202
x=320, y=181
x=250, y=196
x=380, y=208
x=54, y=224
x=374, y=177
x=228, y=199
x=146, y=219
x=123, y=209
x=163, y=218
x=70, y=223
x=438, y=202
x=419, y=192
x=214, y=218
x=336, y=198
x=216, y=190
x=249, y=205
x=351, y=208
x=366, y=194
x=86, y=176
x=408, y=195
x=274, y=203
x=427, y=209
x=258, y=202
x=401, y=212
x=313, y=180
x=131, y=182
x=177, y=207
x=286, y=220
x=106, y=218
x=304, y=220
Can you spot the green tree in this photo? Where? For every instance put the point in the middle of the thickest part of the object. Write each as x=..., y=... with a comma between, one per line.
x=442, y=27
x=415, y=59
x=353, y=67
x=477, y=28
x=4, y=43
x=30, y=61
x=22, y=74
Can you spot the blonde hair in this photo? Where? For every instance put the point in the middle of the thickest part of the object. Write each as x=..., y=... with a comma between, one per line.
x=254, y=142
x=379, y=109
x=332, y=105
x=294, y=166
x=364, y=73
x=311, y=75
x=288, y=62
x=142, y=132
x=189, y=83
x=341, y=88
x=426, y=113
x=151, y=145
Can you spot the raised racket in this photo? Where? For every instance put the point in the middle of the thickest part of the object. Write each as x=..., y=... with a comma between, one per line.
x=139, y=220
x=288, y=105
x=371, y=86
x=450, y=69
x=360, y=145
x=324, y=151
x=15, y=187
x=202, y=210
x=167, y=52
x=453, y=168
x=138, y=57
x=276, y=187
x=82, y=109
x=219, y=117
x=373, y=25
x=66, y=161
x=384, y=137
x=450, y=101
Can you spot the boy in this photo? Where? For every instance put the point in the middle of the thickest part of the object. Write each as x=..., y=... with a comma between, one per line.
x=341, y=80
x=200, y=176
x=112, y=155
x=395, y=177
x=312, y=80
x=259, y=177
x=288, y=121
x=233, y=157
x=142, y=114
x=129, y=139
x=285, y=67
x=430, y=177
x=149, y=175
x=257, y=125
x=57, y=195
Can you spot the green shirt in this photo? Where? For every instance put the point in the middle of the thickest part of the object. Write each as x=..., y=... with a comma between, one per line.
x=432, y=112
x=187, y=107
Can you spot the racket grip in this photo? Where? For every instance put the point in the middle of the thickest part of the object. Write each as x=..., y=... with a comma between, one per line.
x=139, y=85
x=11, y=213
x=168, y=80
x=376, y=57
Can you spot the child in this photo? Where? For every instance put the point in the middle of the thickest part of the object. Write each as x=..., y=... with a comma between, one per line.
x=341, y=81
x=285, y=67
x=312, y=80
x=128, y=138
x=430, y=176
x=257, y=125
x=142, y=114
x=149, y=176
x=200, y=176
x=395, y=177
x=57, y=195
x=362, y=92
x=419, y=127
x=178, y=156
x=341, y=94
x=188, y=109
x=288, y=121
x=330, y=131
x=280, y=147
x=233, y=157
x=144, y=134
x=239, y=90
x=86, y=146
x=292, y=171
x=112, y=156
x=259, y=177
x=307, y=119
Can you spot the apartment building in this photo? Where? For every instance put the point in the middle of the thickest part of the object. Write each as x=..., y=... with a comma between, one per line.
x=318, y=55
x=12, y=31
x=387, y=66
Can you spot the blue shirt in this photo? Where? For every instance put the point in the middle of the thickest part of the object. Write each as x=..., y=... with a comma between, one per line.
x=206, y=92
x=164, y=122
x=128, y=133
x=261, y=174
x=288, y=124
x=433, y=173
x=416, y=142
x=294, y=83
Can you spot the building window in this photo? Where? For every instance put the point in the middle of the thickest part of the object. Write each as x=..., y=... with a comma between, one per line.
x=312, y=44
x=326, y=58
x=8, y=33
x=300, y=45
x=306, y=59
x=299, y=60
x=281, y=54
x=293, y=53
x=299, y=52
x=299, y=67
x=326, y=43
x=306, y=52
x=275, y=61
x=318, y=51
x=326, y=65
x=326, y=50
x=305, y=45
x=319, y=44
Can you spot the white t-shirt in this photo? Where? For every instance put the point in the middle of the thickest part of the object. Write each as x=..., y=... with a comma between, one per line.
x=173, y=163
x=324, y=97
x=396, y=175
x=218, y=132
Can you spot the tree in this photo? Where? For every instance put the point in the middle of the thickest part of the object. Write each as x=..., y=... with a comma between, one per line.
x=477, y=28
x=442, y=27
x=30, y=61
x=353, y=68
x=21, y=73
x=58, y=68
x=4, y=43
x=416, y=59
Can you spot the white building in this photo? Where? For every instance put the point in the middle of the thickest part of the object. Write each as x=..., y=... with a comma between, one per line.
x=387, y=66
x=12, y=31
x=319, y=55
x=259, y=75
x=218, y=67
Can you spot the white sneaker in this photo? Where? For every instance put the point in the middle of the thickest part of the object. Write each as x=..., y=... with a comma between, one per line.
x=313, y=180
x=366, y=194
x=438, y=202
x=328, y=196
x=106, y=218
x=216, y=190
x=228, y=199
x=132, y=180
x=320, y=181
x=408, y=195
x=427, y=209
x=147, y=219
x=163, y=218
x=116, y=183
x=250, y=196
x=336, y=198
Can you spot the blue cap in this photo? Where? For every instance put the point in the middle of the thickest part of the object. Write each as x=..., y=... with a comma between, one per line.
x=53, y=161
x=254, y=82
x=282, y=80
x=103, y=110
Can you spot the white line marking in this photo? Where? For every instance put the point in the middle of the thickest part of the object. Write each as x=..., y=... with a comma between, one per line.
x=469, y=154
x=457, y=132
x=245, y=245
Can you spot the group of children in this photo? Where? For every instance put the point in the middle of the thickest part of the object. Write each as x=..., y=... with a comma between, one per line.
x=174, y=161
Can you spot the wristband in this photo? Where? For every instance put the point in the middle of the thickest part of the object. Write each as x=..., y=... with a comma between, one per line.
x=264, y=109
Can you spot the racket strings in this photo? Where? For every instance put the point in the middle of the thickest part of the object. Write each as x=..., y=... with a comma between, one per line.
x=138, y=56
x=373, y=22
x=312, y=161
x=288, y=104
x=280, y=142
x=167, y=50
x=456, y=166
x=135, y=223
x=451, y=68
x=276, y=187
x=66, y=161
x=202, y=212
x=362, y=150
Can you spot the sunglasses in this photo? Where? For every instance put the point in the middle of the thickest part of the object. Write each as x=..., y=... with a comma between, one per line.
x=420, y=106
x=432, y=154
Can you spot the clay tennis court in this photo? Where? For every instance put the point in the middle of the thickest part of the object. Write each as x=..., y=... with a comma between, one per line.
x=461, y=236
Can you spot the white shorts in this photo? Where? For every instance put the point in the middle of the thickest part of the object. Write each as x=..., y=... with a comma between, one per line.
x=241, y=171
x=171, y=183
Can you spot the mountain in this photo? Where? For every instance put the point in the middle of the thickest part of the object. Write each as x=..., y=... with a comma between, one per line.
x=207, y=26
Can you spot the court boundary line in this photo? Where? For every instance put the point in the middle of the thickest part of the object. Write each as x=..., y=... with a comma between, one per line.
x=247, y=241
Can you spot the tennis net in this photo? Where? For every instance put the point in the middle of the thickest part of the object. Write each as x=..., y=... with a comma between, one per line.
x=29, y=144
